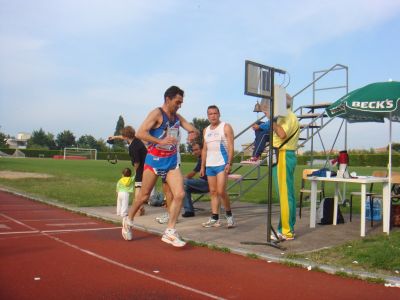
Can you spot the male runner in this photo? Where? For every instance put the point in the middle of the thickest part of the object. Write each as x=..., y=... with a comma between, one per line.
x=161, y=129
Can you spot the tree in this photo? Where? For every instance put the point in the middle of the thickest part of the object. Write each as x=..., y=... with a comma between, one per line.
x=200, y=124
x=101, y=146
x=87, y=141
x=118, y=144
x=51, y=143
x=65, y=139
x=182, y=148
x=396, y=147
x=3, y=139
x=40, y=140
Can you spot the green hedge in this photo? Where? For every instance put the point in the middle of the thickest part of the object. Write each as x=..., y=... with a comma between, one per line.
x=51, y=153
x=35, y=152
x=373, y=160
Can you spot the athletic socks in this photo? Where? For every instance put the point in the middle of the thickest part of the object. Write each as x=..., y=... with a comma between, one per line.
x=228, y=213
x=215, y=216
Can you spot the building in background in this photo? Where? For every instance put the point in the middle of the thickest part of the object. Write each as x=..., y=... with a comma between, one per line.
x=20, y=142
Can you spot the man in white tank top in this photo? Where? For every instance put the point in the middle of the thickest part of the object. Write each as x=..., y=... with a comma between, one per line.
x=216, y=164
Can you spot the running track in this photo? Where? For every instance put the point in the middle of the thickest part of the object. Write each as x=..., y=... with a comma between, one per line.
x=51, y=253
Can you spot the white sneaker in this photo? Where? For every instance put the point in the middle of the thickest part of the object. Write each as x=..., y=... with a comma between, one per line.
x=163, y=219
x=281, y=237
x=211, y=223
x=230, y=221
x=274, y=238
x=127, y=229
x=173, y=238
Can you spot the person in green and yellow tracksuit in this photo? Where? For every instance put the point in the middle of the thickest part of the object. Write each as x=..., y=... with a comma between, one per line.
x=285, y=137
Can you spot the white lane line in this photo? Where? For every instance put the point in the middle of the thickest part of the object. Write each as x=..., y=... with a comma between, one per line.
x=49, y=220
x=134, y=269
x=78, y=230
x=18, y=222
x=171, y=282
x=19, y=232
x=72, y=224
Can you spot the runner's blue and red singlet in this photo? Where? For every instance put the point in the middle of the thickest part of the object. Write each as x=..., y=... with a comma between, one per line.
x=162, y=158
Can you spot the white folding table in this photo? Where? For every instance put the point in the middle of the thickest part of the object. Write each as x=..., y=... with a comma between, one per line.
x=363, y=181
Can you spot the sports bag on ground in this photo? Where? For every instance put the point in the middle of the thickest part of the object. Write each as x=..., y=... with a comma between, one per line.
x=325, y=212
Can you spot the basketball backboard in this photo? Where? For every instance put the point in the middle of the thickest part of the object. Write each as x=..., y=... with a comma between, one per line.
x=257, y=80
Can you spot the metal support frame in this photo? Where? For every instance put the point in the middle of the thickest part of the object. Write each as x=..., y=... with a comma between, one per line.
x=272, y=72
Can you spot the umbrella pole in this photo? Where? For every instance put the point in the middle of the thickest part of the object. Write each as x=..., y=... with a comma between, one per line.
x=390, y=151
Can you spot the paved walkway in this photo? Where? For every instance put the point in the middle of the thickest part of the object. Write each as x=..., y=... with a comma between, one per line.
x=251, y=227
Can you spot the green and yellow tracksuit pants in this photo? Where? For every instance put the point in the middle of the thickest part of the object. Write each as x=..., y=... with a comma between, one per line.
x=283, y=175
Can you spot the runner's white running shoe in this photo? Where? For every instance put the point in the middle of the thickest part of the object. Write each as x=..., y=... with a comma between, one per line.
x=127, y=229
x=173, y=238
x=211, y=223
x=230, y=221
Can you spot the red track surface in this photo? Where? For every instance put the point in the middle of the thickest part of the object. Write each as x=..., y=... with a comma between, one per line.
x=50, y=253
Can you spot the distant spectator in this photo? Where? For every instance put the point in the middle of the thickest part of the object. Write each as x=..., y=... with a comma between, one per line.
x=194, y=185
x=124, y=189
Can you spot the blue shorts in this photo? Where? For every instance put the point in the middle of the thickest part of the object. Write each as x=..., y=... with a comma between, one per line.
x=161, y=165
x=214, y=171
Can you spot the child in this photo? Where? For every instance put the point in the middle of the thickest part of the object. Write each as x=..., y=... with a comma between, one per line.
x=124, y=188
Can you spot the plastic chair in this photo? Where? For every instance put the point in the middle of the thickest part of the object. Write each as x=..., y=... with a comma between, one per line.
x=395, y=190
x=394, y=194
x=304, y=190
x=368, y=194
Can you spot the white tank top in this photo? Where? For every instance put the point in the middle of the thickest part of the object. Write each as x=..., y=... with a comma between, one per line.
x=217, y=146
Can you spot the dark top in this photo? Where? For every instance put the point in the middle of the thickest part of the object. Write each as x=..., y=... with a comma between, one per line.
x=137, y=152
x=197, y=168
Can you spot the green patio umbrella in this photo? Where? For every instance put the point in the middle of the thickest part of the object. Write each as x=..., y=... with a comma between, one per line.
x=371, y=103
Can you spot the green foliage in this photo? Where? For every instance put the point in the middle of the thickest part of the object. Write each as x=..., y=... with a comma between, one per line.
x=87, y=141
x=377, y=252
x=218, y=248
x=65, y=139
x=358, y=159
x=118, y=144
x=101, y=145
x=292, y=264
x=40, y=140
x=200, y=124
x=119, y=126
x=3, y=138
x=252, y=255
x=7, y=150
x=197, y=244
x=182, y=148
x=396, y=147
x=35, y=152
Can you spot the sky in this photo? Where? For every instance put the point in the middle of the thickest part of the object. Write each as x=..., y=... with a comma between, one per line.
x=79, y=64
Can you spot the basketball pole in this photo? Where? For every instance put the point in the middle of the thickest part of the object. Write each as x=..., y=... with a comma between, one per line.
x=270, y=228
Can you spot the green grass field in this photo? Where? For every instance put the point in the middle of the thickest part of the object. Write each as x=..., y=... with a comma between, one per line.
x=92, y=183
